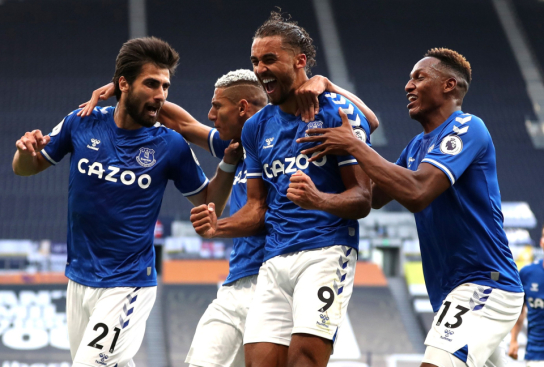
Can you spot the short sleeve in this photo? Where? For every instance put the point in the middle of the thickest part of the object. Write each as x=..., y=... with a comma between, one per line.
x=61, y=140
x=459, y=147
x=216, y=145
x=357, y=119
x=251, y=158
x=402, y=159
x=187, y=173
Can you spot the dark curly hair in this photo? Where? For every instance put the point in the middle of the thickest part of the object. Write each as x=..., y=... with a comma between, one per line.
x=453, y=61
x=291, y=33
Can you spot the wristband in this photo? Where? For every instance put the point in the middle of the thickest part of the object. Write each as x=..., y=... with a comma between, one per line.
x=228, y=168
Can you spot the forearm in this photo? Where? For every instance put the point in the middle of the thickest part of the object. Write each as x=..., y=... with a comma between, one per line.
x=379, y=197
x=396, y=182
x=27, y=165
x=518, y=325
x=219, y=190
x=248, y=221
x=176, y=118
x=350, y=204
x=369, y=114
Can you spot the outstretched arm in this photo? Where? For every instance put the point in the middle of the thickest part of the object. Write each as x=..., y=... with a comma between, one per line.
x=309, y=105
x=248, y=221
x=176, y=118
x=414, y=190
x=353, y=203
x=28, y=160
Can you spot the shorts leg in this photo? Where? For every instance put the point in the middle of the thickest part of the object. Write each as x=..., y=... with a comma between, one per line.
x=473, y=321
x=116, y=327
x=218, y=339
x=323, y=290
x=77, y=313
x=270, y=316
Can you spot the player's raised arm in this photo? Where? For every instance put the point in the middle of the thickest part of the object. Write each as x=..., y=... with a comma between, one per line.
x=248, y=221
x=176, y=118
x=309, y=105
x=28, y=160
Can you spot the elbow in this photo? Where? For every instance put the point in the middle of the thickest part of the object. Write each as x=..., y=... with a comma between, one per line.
x=417, y=203
x=18, y=171
x=363, y=209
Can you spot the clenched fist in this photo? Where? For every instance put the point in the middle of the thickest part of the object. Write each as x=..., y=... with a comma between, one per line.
x=204, y=220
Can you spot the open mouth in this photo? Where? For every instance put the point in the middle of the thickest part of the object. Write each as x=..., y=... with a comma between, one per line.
x=269, y=84
x=152, y=110
x=411, y=98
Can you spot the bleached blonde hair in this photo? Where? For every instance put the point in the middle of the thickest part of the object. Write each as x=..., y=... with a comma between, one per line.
x=237, y=77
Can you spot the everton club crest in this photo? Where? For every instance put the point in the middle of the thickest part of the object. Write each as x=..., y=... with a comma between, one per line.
x=146, y=157
x=314, y=125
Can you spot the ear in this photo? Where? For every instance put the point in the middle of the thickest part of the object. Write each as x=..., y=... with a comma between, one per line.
x=450, y=85
x=300, y=61
x=243, y=107
x=123, y=84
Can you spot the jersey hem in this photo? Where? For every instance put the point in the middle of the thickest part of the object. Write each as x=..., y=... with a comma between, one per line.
x=210, y=141
x=240, y=276
x=47, y=157
x=441, y=167
x=197, y=190
x=290, y=250
x=112, y=284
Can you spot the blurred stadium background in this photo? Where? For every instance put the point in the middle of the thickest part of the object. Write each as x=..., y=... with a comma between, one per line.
x=54, y=53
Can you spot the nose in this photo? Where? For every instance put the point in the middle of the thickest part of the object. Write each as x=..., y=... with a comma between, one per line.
x=410, y=86
x=212, y=115
x=259, y=68
x=161, y=95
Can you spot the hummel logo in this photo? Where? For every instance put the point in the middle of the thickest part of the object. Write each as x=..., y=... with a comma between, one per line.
x=94, y=142
x=534, y=287
x=410, y=160
x=268, y=143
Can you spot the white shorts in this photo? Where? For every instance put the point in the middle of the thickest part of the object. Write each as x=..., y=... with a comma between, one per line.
x=472, y=322
x=218, y=339
x=106, y=325
x=302, y=292
x=535, y=363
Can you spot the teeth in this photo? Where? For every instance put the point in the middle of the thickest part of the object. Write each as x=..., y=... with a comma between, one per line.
x=412, y=98
x=268, y=80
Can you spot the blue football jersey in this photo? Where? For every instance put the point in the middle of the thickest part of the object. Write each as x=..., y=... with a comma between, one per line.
x=460, y=233
x=272, y=153
x=117, y=181
x=532, y=278
x=247, y=252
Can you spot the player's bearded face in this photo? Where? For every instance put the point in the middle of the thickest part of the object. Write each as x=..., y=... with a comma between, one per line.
x=144, y=113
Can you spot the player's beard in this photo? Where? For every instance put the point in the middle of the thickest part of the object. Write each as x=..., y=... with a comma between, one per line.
x=132, y=106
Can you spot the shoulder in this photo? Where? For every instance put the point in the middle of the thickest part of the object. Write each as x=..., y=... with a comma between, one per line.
x=528, y=269
x=262, y=115
x=467, y=124
x=254, y=123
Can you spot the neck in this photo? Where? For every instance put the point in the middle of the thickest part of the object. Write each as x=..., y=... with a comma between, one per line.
x=437, y=117
x=290, y=105
x=122, y=118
